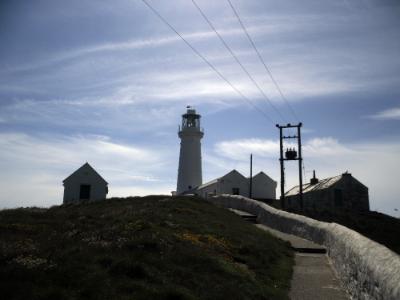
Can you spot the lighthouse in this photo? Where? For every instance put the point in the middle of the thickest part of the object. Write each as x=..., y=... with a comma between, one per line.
x=190, y=133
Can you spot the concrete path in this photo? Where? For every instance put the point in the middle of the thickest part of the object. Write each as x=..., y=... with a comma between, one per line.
x=313, y=274
x=314, y=278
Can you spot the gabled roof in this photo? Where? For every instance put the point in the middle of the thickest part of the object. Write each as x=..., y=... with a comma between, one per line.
x=219, y=178
x=233, y=172
x=321, y=185
x=208, y=183
x=262, y=174
x=85, y=166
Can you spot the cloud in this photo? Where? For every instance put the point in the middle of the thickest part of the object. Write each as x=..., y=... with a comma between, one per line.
x=241, y=148
x=92, y=115
x=36, y=166
x=134, y=44
x=388, y=114
x=306, y=67
x=374, y=164
x=325, y=147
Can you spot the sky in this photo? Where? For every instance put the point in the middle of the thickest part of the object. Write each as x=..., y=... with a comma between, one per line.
x=106, y=82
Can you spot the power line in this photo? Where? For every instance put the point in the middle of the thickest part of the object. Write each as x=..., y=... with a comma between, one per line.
x=207, y=62
x=263, y=62
x=237, y=59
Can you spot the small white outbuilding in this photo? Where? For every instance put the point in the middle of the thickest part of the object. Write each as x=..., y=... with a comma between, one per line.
x=263, y=187
x=232, y=183
x=84, y=184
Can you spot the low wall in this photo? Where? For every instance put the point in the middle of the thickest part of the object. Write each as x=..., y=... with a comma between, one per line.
x=367, y=269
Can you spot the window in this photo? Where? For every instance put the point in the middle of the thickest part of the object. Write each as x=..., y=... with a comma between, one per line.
x=84, y=193
x=235, y=191
x=338, y=198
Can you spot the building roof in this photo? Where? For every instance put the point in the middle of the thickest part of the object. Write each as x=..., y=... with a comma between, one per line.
x=208, y=183
x=87, y=166
x=233, y=171
x=216, y=179
x=259, y=174
x=321, y=185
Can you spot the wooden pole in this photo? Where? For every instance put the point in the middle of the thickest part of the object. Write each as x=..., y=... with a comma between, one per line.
x=300, y=166
x=251, y=177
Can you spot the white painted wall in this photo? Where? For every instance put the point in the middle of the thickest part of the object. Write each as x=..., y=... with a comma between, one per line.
x=263, y=187
x=232, y=180
x=84, y=175
x=189, y=170
x=225, y=185
x=367, y=269
x=209, y=189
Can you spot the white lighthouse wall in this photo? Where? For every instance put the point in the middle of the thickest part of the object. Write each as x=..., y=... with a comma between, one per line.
x=190, y=172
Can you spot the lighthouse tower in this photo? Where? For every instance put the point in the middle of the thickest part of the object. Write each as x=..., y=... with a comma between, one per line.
x=190, y=133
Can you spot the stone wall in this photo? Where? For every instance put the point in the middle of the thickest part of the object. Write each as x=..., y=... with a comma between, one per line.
x=366, y=269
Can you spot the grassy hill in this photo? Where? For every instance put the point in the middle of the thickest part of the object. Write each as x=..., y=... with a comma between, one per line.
x=153, y=247
x=376, y=226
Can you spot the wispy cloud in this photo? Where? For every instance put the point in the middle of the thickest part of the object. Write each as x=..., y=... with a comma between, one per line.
x=135, y=44
x=315, y=147
x=37, y=165
x=388, y=114
x=375, y=164
x=240, y=149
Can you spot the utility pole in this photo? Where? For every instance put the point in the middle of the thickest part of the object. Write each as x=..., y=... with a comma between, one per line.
x=290, y=154
x=300, y=159
x=251, y=177
x=282, y=167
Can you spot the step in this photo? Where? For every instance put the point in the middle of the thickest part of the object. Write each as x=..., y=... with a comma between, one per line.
x=251, y=219
x=298, y=244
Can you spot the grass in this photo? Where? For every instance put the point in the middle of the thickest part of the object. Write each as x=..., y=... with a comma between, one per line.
x=154, y=247
x=376, y=226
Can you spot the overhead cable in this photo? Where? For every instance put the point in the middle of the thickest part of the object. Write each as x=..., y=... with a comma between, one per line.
x=237, y=60
x=263, y=62
x=207, y=62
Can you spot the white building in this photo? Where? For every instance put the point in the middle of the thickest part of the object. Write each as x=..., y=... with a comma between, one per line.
x=263, y=187
x=189, y=171
x=84, y=184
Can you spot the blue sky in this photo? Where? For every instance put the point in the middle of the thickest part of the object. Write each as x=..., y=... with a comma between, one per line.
x=106, y=82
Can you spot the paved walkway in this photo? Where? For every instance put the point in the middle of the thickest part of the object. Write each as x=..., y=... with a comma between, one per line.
x=314, y=278
x=313, y=275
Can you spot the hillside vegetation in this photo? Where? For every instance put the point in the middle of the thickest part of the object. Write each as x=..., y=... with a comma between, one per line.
x=153, y=247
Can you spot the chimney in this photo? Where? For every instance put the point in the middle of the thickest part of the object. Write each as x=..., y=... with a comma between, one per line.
x=314, y=180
